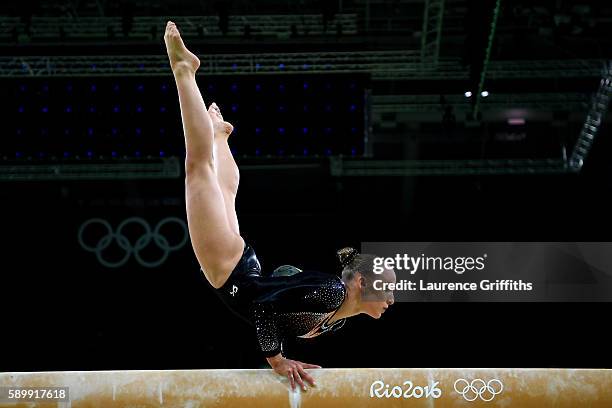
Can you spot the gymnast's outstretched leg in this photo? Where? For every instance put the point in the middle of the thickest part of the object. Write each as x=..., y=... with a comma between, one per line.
x=217, y=245
x=225, y=165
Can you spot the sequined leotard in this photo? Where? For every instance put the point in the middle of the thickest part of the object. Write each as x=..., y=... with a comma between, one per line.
x=281, y=306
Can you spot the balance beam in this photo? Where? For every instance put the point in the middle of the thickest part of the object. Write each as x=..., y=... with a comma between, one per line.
x=335, y=388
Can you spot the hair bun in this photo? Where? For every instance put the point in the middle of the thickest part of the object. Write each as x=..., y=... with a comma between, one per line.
x=346, y=256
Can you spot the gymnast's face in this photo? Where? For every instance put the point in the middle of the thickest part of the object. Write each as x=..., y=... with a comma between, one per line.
x=375, y=302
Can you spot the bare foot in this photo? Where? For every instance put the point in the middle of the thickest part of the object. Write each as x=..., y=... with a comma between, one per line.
x=180, y=57
x=221, y=127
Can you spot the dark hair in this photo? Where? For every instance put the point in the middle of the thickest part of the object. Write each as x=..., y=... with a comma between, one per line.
x=353, y=262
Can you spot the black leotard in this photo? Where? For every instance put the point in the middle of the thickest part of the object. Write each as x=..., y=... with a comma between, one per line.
x=298, y=305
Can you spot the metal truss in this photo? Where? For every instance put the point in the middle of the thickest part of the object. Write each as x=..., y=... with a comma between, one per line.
x=92, y=170
x=431, y=103
x=345, y=167
x=597, y=111
x=382, y=65
x=451, y=69
x=433, y=16
x=487, y=58
x=170, y=168
x=221, y=64
x=544, y=68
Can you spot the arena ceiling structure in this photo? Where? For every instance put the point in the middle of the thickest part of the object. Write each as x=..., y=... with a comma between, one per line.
x=453, y=86
x=354, y=122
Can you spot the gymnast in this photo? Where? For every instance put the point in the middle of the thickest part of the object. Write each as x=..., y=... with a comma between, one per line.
x=285, y=303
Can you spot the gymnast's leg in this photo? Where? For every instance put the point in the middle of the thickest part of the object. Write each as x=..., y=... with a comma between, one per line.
x=217, y=246
x=225, y=166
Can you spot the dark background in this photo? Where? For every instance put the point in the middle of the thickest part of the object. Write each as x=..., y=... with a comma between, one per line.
x=65, y=311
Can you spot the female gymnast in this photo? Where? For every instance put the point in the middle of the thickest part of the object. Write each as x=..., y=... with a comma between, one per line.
x=304, y=304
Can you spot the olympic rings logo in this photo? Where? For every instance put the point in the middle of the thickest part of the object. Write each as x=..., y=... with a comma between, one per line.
x=132, y=248
x=478, y=388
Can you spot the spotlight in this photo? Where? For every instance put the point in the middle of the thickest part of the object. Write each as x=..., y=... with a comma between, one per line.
x=516, y=121
x=468, y=94
x=484, y=94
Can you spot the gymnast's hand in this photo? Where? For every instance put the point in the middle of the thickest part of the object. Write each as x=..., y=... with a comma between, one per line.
x=294, y=370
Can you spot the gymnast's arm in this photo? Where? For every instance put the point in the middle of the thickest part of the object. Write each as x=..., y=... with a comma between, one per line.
x=293, y=369
x=270, y=342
